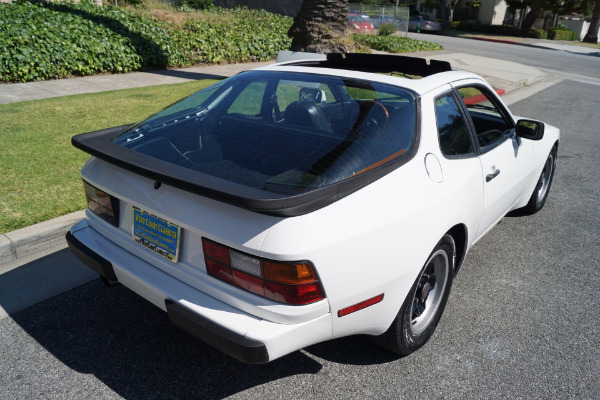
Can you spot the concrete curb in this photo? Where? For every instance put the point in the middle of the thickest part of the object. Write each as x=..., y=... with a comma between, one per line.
x=35, y=241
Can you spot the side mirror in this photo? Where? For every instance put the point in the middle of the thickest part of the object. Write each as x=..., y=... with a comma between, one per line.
x=312, y=95
x=529, y=129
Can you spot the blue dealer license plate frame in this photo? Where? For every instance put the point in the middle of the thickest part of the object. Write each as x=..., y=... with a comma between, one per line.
x=157, y=234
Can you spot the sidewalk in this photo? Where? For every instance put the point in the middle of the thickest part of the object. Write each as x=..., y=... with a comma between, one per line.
x=15, y=92
x=501, y=74
x=561, y=45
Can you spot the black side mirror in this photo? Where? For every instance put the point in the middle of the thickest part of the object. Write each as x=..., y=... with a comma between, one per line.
x=529, y=129
x=312, y=95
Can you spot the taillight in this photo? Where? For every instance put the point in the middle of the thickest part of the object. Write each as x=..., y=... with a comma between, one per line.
x=102, y=204
x=287, y=282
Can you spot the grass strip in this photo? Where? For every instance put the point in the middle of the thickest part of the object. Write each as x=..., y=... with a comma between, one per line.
x=39, y=169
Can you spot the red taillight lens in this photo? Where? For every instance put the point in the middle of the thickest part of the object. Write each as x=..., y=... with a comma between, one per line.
x=216, y=252
x=102, y=204
x=219, y=271
x=291, y=283
x=294, y=294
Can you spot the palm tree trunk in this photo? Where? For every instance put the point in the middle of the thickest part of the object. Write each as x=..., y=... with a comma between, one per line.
x=321, y=27
x=592, y=34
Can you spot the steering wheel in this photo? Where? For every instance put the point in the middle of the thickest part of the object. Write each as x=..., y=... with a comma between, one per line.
x=373, y=115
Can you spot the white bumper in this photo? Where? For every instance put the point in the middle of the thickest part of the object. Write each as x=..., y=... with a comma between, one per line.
x=234, y=332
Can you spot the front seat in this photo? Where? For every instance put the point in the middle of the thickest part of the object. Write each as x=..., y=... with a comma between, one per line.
x=305, y=113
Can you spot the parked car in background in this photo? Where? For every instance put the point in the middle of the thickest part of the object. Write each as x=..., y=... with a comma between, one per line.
x=418, y=23
x=359, y=24
x=309, y=200
x=385, y=19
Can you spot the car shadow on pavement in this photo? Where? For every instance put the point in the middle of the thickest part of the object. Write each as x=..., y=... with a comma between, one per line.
x=132, y=348
x=353, y=350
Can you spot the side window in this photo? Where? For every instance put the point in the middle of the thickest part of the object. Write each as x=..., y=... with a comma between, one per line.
x=490, y=125
x=453, y=131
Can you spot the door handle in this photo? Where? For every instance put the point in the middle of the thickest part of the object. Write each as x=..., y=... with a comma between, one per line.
x=491, y=176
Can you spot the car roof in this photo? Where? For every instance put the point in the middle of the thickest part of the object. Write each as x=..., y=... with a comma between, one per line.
x=379, y=68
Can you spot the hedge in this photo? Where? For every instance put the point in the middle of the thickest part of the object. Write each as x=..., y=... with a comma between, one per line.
x=562, y=34
x=502, y=30
x=55, y=40
x=41, y=40
x=395, y=44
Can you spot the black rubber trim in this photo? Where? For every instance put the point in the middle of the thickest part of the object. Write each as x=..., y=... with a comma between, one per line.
x=100, y=144
x=378, y=63
x=92, y=259
x=228, y=342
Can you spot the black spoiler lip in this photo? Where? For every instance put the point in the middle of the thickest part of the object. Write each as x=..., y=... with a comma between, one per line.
x=100, y=145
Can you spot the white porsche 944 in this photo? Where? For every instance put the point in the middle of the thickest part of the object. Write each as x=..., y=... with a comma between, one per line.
x=309, y=200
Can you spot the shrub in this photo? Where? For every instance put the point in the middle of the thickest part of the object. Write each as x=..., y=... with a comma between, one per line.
x=386, y=29
x=502, y=30
x=394, y=44
x=55, y=40
x=252, y=35
x=453, y=24
x=199, y=4
x=562, y=34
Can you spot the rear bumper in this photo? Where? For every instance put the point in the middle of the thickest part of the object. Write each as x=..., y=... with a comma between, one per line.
x=238, y=334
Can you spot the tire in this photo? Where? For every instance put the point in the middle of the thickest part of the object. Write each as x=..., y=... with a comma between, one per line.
x=423, y=307
x=542, y=188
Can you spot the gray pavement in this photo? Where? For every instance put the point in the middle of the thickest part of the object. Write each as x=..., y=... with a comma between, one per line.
x=22, y=248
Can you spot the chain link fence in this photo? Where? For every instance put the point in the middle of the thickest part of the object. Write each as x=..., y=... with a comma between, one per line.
x=385, y=19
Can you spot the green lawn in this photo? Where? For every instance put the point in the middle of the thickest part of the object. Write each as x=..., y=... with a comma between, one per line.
x=39, y=169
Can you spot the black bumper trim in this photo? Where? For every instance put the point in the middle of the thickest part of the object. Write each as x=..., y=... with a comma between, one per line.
x=92, y=259
x=233, y=344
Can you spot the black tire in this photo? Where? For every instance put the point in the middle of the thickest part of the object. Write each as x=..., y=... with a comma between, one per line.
x=423, y=307
x=542, y=188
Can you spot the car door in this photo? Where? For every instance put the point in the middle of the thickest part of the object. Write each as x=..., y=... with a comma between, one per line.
x=504, y=158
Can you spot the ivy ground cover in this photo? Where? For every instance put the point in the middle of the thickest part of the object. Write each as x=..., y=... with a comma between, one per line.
x=52, y=40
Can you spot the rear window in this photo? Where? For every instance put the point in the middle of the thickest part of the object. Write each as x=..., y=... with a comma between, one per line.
x=281, y=132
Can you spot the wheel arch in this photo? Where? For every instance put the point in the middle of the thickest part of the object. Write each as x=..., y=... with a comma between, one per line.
x=460, y=235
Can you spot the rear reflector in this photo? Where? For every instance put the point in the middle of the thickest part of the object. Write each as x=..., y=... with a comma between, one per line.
x=360, y=306
x=291, y=283
x=102, y=204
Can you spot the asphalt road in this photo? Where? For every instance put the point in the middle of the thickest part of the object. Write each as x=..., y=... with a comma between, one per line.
x=522, y=320
x=564, y=63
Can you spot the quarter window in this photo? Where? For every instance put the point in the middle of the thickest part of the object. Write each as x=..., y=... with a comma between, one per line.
x=453, y=132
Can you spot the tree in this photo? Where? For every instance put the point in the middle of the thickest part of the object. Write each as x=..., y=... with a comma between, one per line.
x=592, y=34
x=321, y=27
x=536, y=7
x=450, y=6
x=446, y=8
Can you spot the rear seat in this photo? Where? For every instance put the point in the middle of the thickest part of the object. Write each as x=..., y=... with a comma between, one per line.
x=269, y=147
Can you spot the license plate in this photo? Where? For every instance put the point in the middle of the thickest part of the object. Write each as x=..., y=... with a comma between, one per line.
x=157, y=234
